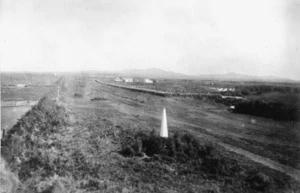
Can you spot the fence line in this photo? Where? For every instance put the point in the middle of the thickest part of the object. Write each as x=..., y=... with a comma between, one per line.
x=18, y=103
x=156, y=92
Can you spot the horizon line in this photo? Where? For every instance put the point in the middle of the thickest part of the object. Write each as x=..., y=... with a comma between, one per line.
x=193, y=76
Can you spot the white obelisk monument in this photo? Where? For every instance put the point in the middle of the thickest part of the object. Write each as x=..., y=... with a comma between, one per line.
x=164, y=125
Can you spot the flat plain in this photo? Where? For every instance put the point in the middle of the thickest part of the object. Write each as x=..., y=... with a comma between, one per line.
x=267, y=149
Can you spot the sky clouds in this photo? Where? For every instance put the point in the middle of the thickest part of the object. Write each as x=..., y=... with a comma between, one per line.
x=257, y=37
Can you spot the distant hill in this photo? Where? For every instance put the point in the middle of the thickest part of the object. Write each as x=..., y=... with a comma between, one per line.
x=158, y=73
x=241, y=77
x=152, y=73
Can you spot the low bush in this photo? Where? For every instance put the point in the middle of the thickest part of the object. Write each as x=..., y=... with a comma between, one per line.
x=258, y=181
x=179, y=148
x=99, y=99
x=77, y=95
x=9, y=183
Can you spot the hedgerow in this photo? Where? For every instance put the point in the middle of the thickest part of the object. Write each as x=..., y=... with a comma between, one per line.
x=30, y=148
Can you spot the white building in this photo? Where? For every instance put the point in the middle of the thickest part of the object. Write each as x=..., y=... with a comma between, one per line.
x=119, y=79
x=146, y=80
x=21, y=85
x=128, y=79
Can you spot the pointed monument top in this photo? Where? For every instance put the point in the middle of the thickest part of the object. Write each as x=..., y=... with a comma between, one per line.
x=164, y=124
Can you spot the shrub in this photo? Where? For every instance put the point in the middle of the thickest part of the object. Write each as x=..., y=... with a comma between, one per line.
x=178, y=146
x=99, y=99
x=9, y=183
x=258, y=181
x=77, y=95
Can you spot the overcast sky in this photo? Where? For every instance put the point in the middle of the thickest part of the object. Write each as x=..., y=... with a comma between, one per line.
x=256, y=37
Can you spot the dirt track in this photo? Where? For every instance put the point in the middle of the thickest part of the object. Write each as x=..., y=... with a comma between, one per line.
x=290, y=171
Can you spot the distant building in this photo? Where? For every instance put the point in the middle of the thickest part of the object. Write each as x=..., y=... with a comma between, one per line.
x=222, y=89
x=128, y=79
x=148, y=81
x=136, y=80
x=119, y=79
x=21, y=85
x=231, y=108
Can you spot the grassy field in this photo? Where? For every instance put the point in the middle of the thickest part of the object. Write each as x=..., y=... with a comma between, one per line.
x=28, y=78
x=104, y=139
x=28, y=93
x=279, y=101
x=240, y=88
x=10, y=115
x=37, y=86
x=258, y=135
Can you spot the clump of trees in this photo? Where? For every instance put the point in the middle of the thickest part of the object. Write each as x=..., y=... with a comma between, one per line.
x=279, y=102
x=260, y=89
x=275, y=110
